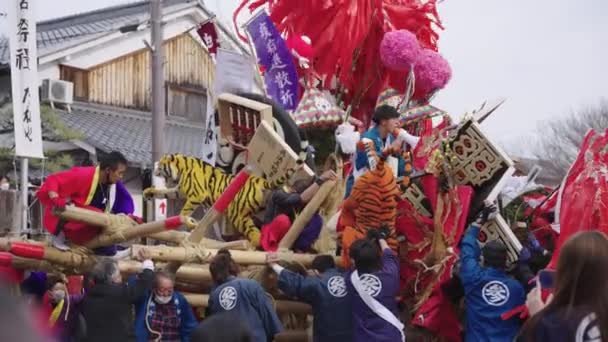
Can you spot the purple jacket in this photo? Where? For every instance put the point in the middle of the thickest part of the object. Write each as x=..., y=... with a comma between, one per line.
x=383, y=285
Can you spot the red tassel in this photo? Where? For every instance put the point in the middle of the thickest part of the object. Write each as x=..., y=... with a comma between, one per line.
x=233, y=188
x=173, y=222
x=27, y=250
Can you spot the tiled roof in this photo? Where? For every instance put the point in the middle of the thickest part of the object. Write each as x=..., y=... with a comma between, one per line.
x=130, y=132
x=57, y=34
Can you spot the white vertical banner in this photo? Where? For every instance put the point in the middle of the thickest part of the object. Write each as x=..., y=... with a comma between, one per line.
x=24, y=77
x=210, y=139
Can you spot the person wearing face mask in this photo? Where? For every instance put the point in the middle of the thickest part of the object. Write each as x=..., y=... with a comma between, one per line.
x=5, y=183
x=107, y=307
x=63, y=311
x=97, y=188
x=163, y=314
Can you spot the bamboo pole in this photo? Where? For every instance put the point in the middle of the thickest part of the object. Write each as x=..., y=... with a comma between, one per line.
x=87, y=216
x=282, y=306
x=141, y=230
x=307, y=213
x=189, y=254
x=186, y=272
x=5, y=243
x=8, y=259
x=53, y=255
x=173, y=236
x=178, y=237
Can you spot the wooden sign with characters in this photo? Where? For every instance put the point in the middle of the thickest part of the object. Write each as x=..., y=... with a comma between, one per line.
x=272, y=157
x=498, y=229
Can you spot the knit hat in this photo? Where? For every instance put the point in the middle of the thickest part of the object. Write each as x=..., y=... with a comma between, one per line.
x=495, y=254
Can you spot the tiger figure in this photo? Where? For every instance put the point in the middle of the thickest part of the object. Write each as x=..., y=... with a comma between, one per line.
x=202, y=184
x=372, y=202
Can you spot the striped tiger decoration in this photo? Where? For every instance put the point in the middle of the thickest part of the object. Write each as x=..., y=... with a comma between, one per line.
x=202, y=184
x=372, y=202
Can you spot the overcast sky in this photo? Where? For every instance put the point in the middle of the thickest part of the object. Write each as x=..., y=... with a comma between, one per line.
x=547, y=57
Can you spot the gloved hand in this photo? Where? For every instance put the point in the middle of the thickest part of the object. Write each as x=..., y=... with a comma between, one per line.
x=59, y=203
x=488, y=212
x=524, y=255
x=534, y=244
x=373, y=234
x=384, y=232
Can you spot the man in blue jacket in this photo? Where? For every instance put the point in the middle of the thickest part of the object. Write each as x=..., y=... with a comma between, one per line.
x=245, y=298
x=326, y=292
x=163, y=314
x=489, y=291
x=386, y=122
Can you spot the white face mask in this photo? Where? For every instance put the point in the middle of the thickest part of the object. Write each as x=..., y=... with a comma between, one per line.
x=58, y=295
x=4, y=186
x=162, y=299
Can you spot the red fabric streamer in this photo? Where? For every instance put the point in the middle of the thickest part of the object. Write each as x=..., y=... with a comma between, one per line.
x=231, y=191
x=27, y=250
x=584, y=195
x=346, y=36
x=6, y=259
x=173, y=222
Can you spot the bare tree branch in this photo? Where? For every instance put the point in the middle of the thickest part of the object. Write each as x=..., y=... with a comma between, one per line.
x=560, y=140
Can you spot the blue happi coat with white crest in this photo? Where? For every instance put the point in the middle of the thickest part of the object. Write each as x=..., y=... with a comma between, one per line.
x=489, y=293
x=330, y=301
x=249, y=301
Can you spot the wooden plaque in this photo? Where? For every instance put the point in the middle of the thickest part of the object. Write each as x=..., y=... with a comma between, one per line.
x=239, y=117
x=271, y=156
x=498, y=229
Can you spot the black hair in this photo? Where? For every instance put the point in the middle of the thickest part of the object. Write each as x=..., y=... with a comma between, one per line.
x=384, y=112
x=322, y=263
x=8, y=179
x=112, y=160
x=103, y=271
x=221, y=267
x=225, y=327
x=366, y=255
x=495, y=255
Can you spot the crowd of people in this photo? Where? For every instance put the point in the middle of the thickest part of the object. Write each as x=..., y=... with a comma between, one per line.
x=357, y=304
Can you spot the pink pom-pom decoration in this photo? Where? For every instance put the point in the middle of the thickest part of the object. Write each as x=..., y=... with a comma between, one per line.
x=399, y=50
x=432, y=72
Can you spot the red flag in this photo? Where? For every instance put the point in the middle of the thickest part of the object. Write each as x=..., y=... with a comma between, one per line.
x=209, y=36
x=584, y=194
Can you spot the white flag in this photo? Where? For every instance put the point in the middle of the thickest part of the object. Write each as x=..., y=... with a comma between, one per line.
x=24, y=78
x=210, y=139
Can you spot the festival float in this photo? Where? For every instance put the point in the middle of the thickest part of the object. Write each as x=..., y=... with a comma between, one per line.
x=333, y=73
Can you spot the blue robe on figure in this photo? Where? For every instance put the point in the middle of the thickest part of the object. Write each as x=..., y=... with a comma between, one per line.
x=330, y=301
x=361, y=163
x=249, y=301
